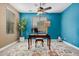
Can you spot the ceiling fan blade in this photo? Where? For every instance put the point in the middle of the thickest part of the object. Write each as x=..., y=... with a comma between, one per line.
x=47, y=8
x=40, y=9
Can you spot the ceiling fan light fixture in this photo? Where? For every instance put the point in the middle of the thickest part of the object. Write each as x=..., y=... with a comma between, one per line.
x=39, y=13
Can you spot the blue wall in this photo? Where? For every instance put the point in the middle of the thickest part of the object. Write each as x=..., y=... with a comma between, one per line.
x=65, y=24
x=54, y=29
x=70, y=24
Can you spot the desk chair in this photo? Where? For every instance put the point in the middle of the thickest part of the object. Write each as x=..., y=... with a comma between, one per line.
x=39, y=39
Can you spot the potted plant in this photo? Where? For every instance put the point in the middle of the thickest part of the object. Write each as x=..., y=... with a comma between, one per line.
x=22, y=28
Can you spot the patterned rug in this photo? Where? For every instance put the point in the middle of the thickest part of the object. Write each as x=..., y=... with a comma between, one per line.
x=21, y=49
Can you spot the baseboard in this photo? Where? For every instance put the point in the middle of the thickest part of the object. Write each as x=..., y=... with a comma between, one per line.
x=71, y=45
x=1, y=49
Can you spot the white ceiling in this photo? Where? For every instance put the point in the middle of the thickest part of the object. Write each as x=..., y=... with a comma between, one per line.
x=32, y=7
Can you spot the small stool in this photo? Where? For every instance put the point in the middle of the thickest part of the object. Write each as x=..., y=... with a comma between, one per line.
x=39, y=39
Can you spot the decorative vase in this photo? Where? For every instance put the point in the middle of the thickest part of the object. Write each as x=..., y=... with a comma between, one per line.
x=22, y=39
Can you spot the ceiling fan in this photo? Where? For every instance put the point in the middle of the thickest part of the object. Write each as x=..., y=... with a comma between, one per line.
x=41, y=9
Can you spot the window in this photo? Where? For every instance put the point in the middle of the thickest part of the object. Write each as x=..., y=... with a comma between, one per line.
x=38, y=22
x=37, y=19
x=10, y=17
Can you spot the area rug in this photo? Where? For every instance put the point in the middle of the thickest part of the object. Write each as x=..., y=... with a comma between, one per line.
x=21, y=49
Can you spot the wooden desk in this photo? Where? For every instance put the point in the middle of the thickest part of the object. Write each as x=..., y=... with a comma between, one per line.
x=39, y=36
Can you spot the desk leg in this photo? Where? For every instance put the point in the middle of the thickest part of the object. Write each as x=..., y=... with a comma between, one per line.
x=49, y=43
x=29, y=43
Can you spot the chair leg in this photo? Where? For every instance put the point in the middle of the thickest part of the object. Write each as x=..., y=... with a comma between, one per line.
x=43, y=44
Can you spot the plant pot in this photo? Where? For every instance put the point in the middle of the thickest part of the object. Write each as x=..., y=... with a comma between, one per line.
x=21, y=39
